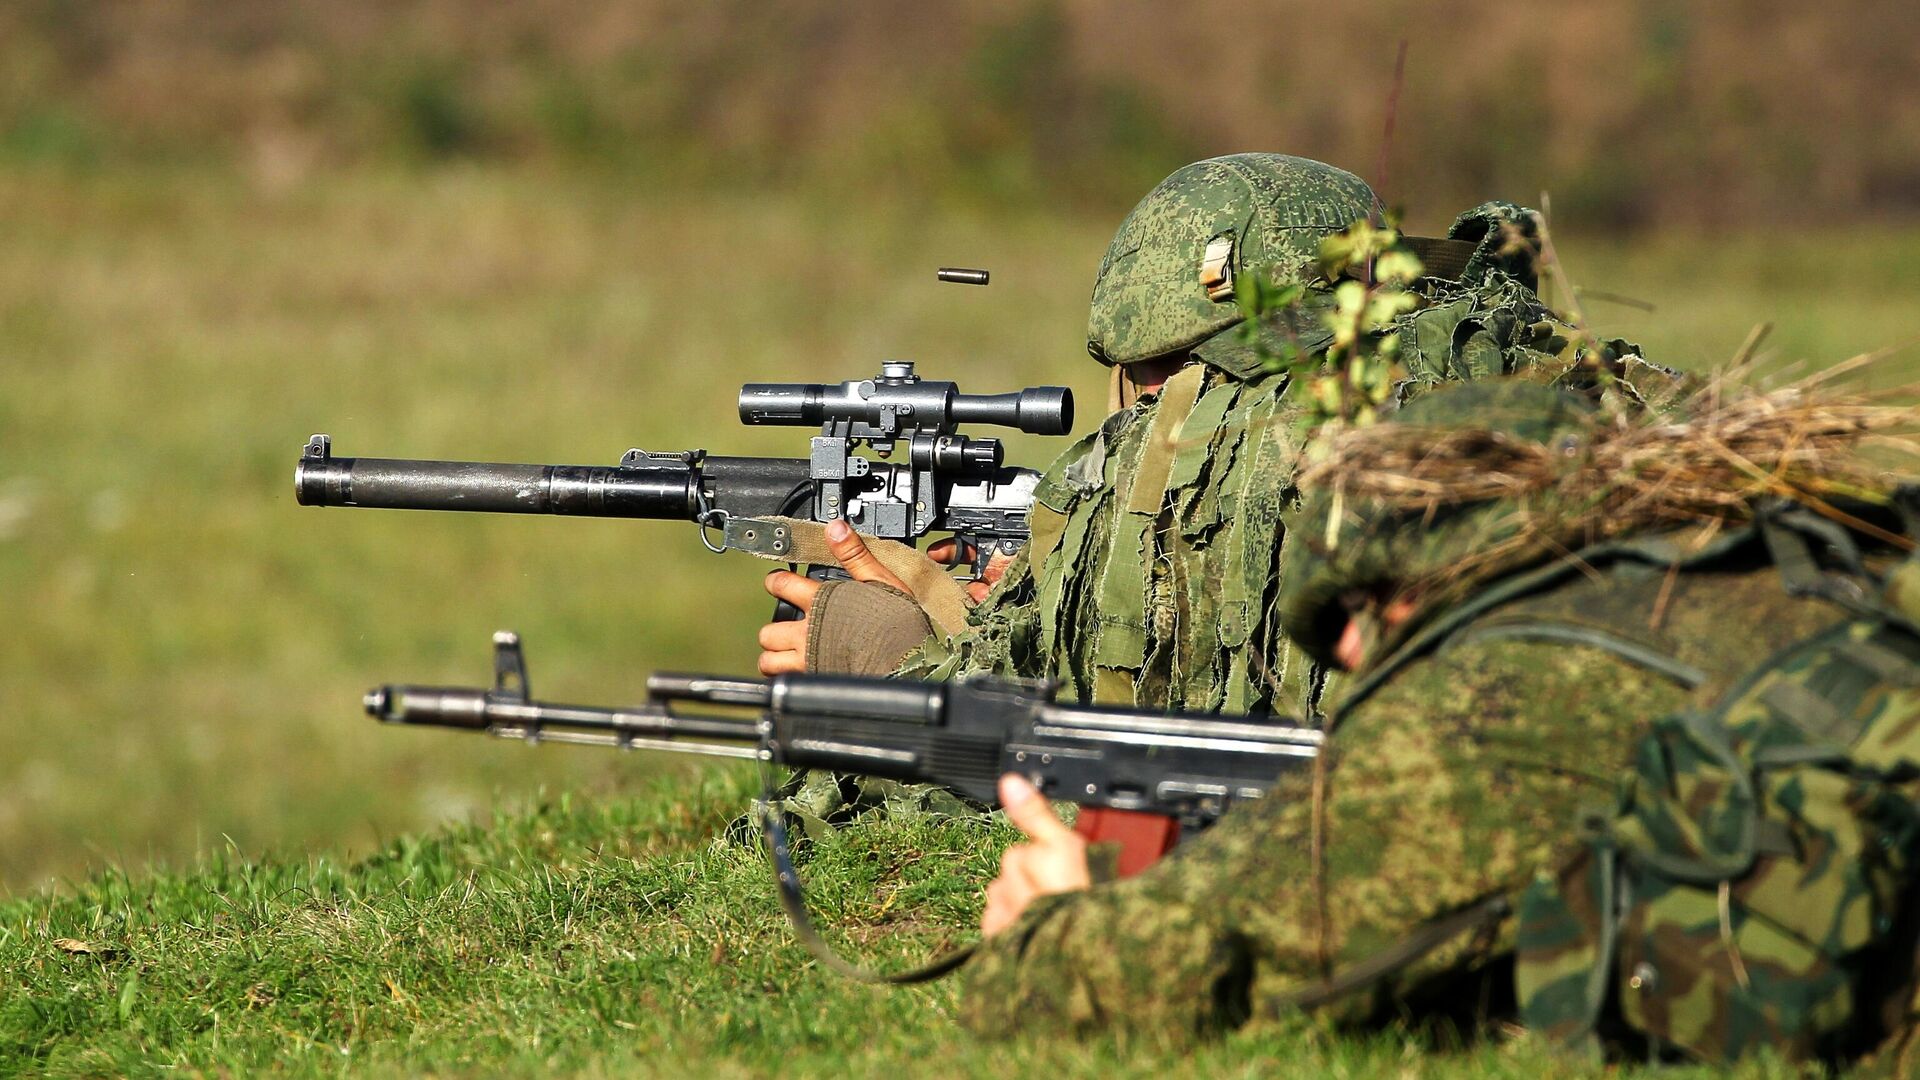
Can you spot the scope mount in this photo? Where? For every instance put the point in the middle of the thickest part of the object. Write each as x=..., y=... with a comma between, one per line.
x=900, y=499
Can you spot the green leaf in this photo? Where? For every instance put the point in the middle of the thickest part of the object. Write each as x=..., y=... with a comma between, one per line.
x=1397, y=267
x=129, y=996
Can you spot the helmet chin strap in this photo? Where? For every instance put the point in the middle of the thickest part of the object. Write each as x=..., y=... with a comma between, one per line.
x=1121, y=391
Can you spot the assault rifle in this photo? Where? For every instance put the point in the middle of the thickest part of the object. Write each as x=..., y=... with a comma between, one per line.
x=946, y=481
x=1142, y=778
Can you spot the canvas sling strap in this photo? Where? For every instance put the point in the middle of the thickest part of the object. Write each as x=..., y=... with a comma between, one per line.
x=1441, y=258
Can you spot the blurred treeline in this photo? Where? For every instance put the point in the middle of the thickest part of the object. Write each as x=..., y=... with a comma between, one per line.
x=1632, y=112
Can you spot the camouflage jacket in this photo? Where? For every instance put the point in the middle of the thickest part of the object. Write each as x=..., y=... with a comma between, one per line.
x=1457, y=777
x=1156, y=539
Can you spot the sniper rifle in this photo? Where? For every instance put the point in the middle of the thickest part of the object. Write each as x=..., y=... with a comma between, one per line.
x=944, y=482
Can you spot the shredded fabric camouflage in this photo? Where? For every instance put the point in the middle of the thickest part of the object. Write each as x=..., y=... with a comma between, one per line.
x=1157, y=539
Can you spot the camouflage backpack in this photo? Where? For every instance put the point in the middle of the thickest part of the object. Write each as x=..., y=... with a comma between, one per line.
x=1754, y=885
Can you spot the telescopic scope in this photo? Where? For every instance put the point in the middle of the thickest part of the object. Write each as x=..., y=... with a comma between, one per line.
x=898, y=401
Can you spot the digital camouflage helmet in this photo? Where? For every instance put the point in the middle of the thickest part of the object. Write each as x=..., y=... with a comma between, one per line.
x=1167, y=283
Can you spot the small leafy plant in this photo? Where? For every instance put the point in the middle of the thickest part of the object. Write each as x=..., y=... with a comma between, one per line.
x=1367, y=274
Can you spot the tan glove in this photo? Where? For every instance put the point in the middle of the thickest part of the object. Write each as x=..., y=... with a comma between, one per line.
x=863, y=628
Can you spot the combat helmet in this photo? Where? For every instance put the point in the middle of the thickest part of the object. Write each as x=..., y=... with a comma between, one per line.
x=1167, y=282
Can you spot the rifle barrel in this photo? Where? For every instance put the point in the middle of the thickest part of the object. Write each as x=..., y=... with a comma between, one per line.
x=661, y=487
x=644, y=727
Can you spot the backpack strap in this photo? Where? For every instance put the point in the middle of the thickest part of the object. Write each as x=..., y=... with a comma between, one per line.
x=1634, y=652
x=1442, y=258
x=1791, y=533
x=1401, y=954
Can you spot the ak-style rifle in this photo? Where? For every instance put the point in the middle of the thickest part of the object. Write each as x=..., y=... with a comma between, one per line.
x=1142, y=779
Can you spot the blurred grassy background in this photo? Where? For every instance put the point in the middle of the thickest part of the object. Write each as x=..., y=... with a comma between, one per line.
x=548, y=232
x=1635, y=112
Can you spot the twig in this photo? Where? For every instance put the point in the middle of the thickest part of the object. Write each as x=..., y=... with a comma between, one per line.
x=1616, y=298
x=1748, y=349
x=1380, y=172
x=1551, y=256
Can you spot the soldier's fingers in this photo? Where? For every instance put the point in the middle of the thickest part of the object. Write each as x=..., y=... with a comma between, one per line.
x=991, y=922
x=1005, y=901
x=1025, y=866
x=855, y=559
x=946, y=552
x=785, y=662
x=996, y=567
x=1028, y=810
x=951, y=552
x=793, y=588
x=1010, y=863
x=784, y=636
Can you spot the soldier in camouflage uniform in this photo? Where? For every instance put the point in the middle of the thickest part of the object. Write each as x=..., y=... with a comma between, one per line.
x=1156, y=539
x=1664, y=791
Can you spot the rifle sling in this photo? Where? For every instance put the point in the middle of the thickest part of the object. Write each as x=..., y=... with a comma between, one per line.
x=1441, y=258
x=1389, y=961
x=793, y=901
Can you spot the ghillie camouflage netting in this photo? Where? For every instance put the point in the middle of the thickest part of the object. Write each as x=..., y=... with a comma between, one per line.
x=1704, y=461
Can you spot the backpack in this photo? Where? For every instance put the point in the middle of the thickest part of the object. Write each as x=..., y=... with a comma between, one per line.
x=1754, y=883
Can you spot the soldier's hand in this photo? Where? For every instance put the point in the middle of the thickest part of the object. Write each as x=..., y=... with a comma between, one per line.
x=1053, y=860
x=783, y=645
x=949, y=552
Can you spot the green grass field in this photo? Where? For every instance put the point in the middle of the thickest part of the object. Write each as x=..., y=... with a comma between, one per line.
x=610, y=937
x=187, y=784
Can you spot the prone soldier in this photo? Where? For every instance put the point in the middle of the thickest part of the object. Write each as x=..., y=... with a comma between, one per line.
x=1655, y=784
